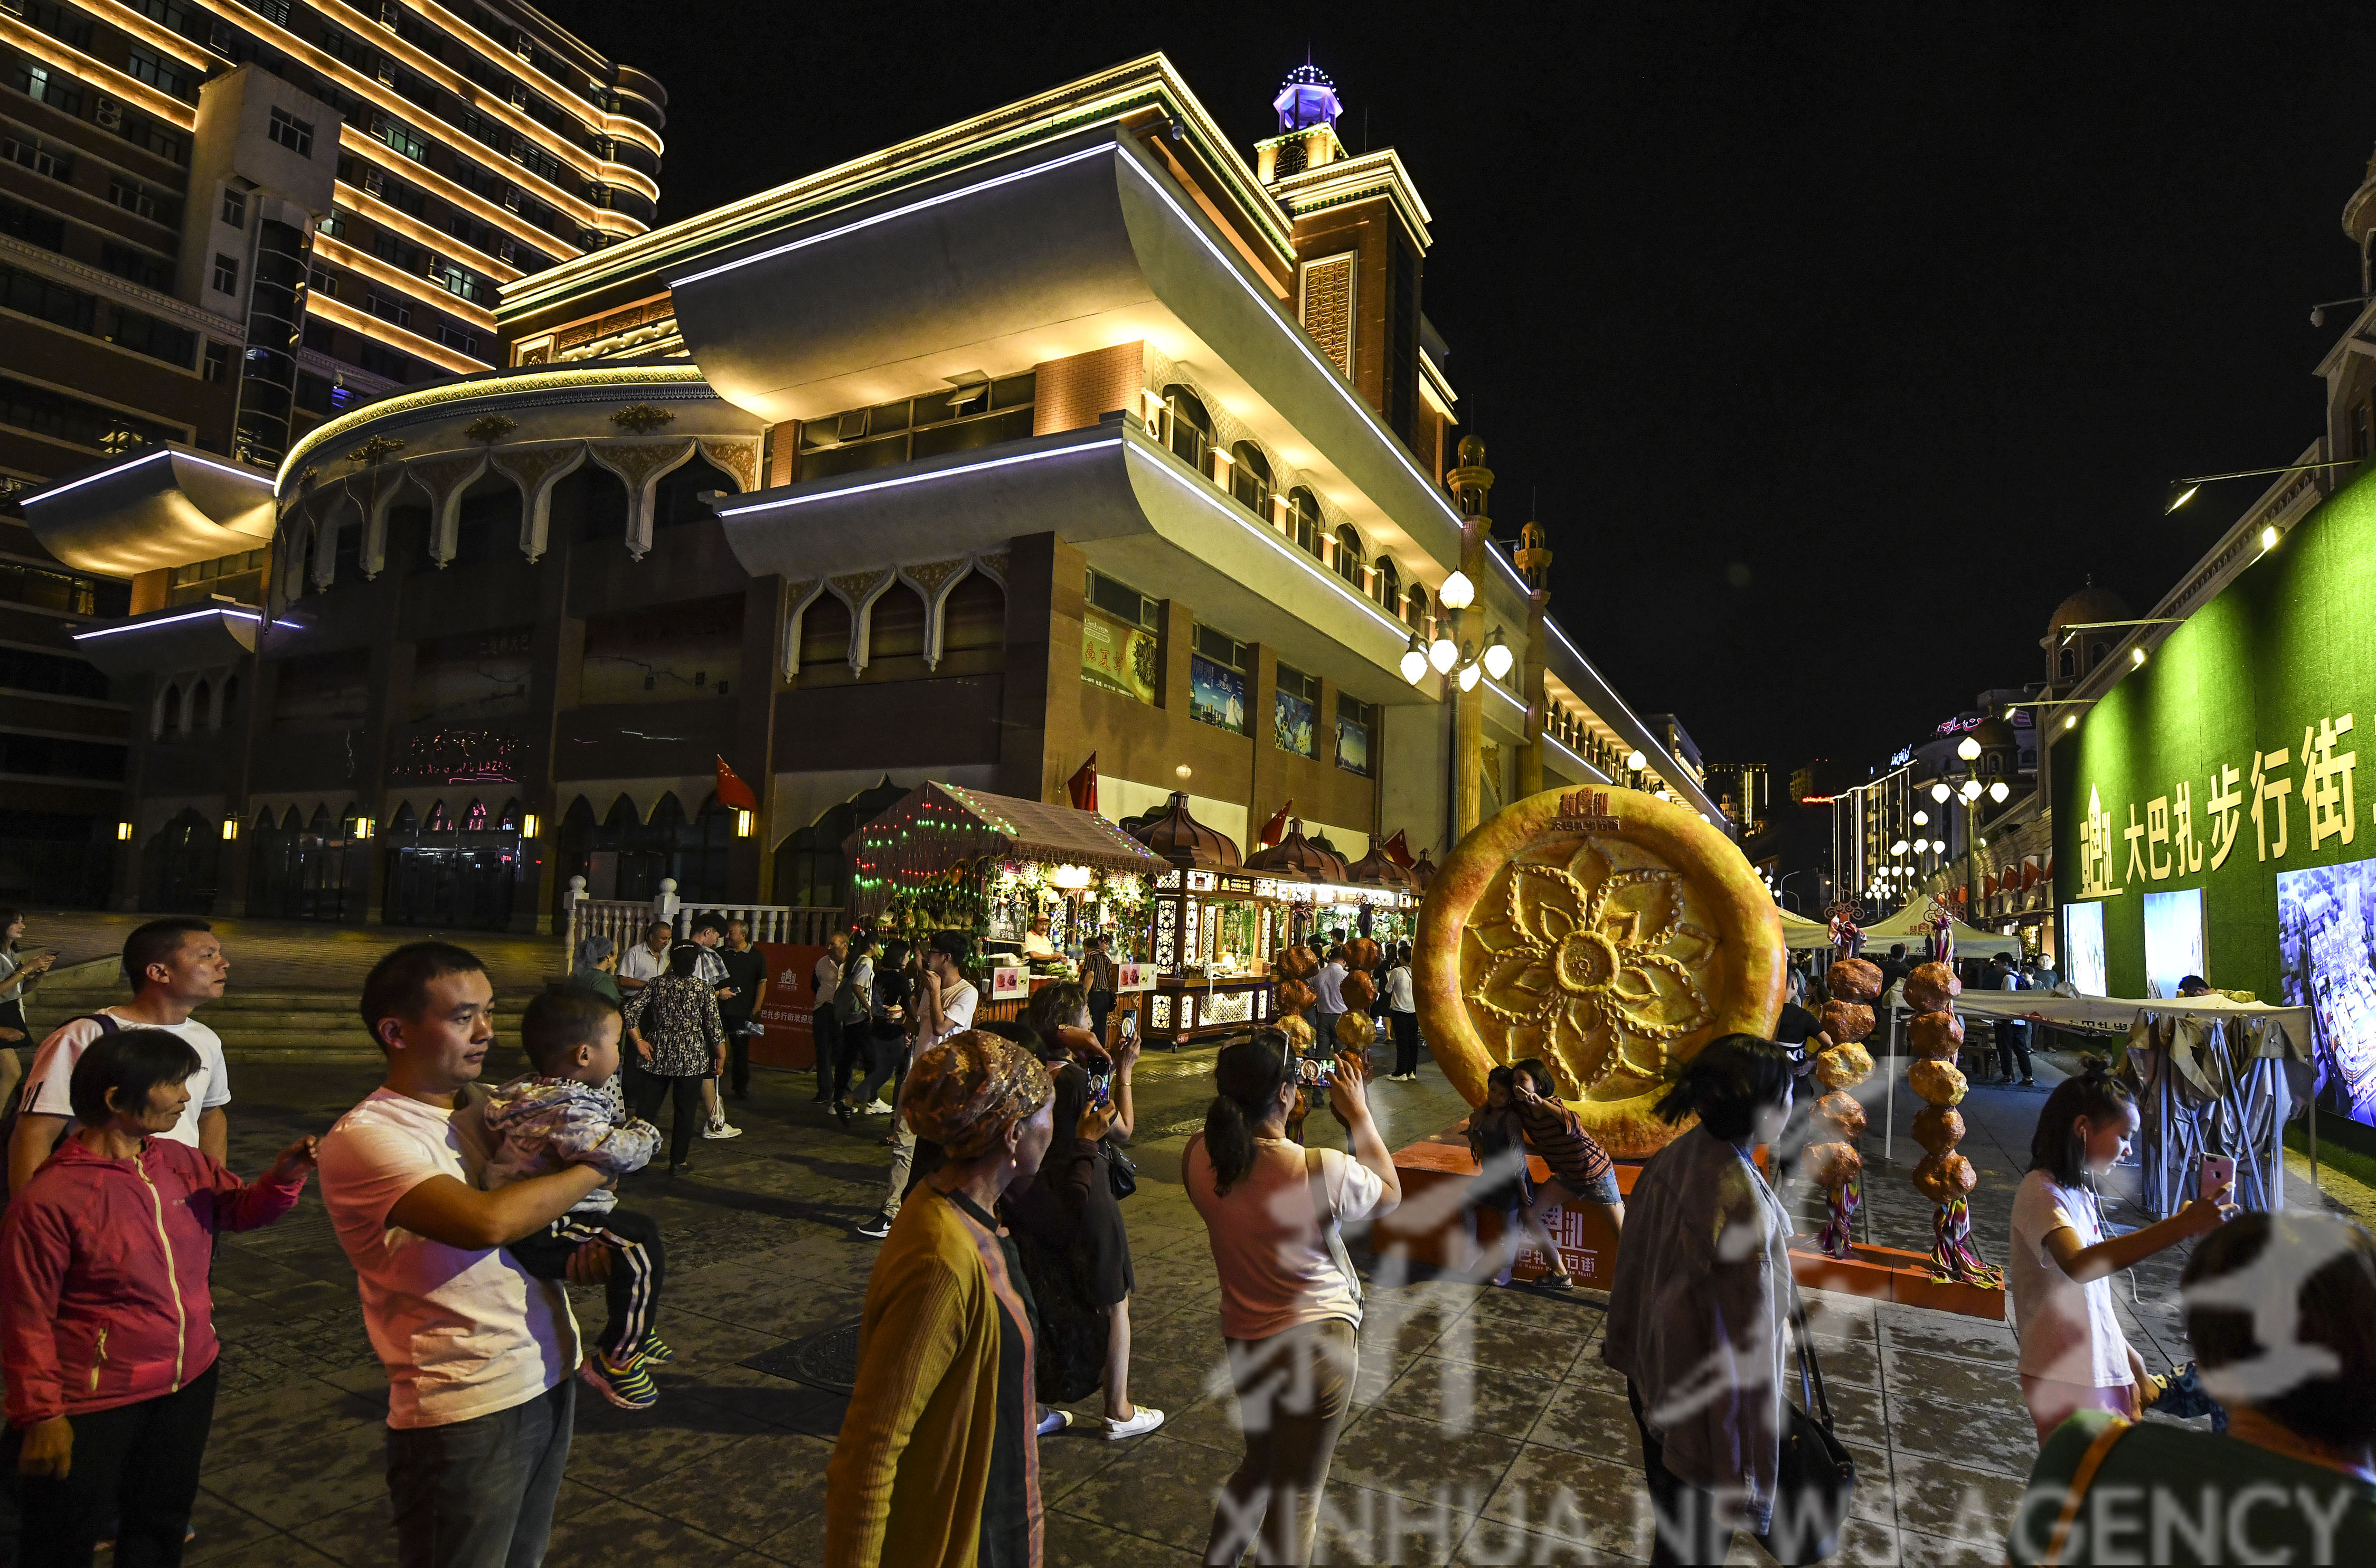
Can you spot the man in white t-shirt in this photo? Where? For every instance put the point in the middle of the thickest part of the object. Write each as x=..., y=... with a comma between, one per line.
x=707, y=932
x=174, y=967
x=479, y=1353
x=1329, y=1004
x=945, y=1005
x=647, y=960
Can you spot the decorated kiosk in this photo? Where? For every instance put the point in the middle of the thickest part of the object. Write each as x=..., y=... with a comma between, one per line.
x=1210, y=934
x=945, y=857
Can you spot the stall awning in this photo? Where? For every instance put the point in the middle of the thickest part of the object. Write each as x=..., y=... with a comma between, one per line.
x=2120, y=1013
x=1801, y=934
x=936, y=827
x=1912, y=925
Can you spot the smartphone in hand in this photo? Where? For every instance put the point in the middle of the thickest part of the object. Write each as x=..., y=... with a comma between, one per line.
x=2217, y=1171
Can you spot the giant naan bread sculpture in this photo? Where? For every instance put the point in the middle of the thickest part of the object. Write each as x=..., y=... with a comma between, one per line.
x=1608, y=933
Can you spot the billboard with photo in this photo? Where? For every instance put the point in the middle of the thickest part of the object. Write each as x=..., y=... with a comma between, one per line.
x=1217, y=693
x=2173, y=939
x=2083, y=944
x=2327, y=960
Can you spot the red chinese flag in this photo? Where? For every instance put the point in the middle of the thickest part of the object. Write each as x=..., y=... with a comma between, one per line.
x=732, y=792
x=1399, y=850
x=1276, y=828
x=1081, y=789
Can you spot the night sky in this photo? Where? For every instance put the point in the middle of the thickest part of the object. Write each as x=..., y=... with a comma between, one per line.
x=1841, y=342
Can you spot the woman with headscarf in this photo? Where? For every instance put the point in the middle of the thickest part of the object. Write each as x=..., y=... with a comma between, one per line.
x=598, y=963
x=937, y=1465
x=680, y=1043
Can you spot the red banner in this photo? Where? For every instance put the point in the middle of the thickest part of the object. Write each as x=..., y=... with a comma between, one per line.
x=790, y=1039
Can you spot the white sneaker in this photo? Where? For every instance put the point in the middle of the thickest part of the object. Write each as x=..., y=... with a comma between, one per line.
x=875, y=1108
x=720, y=1130
x=1146, y=1420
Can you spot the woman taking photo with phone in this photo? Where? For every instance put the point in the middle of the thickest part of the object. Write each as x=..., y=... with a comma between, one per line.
x=1290, y=1301
x=2074, y=1356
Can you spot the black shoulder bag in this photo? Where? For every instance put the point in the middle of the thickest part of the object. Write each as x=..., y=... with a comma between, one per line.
x=1816, y=1479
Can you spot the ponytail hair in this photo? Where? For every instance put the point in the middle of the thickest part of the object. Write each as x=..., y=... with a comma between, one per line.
x=1248, y=1075
x=1730, y=1080
x=2056, y=1147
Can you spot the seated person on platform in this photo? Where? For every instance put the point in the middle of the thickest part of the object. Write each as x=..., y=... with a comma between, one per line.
x=1581, y=1170
x=1497, y=1141
x=561, y=1113
x=2278, y=1309
x=1035, y=941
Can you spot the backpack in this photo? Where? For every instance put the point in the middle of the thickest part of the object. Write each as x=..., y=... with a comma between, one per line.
x=108, y=1024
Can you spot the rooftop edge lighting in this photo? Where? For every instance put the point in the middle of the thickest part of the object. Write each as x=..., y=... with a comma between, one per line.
x=57, y=489
x=903, y=480
x=169, y=619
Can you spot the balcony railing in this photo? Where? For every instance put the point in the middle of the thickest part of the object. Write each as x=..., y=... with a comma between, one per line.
x=1299, y=528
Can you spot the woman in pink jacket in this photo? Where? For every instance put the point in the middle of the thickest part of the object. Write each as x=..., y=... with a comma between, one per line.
x=107, y=1332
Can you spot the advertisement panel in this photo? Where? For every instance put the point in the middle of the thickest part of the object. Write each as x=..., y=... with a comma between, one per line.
x=1217, y=693
x=2227, y=761
x=2329, y=964
x=788, y=1037
x=1293, y=719
x=1118, y=657
x=2173, y=939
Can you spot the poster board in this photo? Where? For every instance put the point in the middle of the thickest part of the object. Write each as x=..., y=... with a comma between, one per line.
x=1009, y=983
x=787, y=1013
x=1135, y=976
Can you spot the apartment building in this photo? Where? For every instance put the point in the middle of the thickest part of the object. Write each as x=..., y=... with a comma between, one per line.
x=1063, y=430
x=220, y=226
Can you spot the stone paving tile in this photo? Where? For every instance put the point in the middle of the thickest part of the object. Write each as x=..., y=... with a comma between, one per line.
x=1588, y=1419
x=620, y=1532
x=1955, y=1502
x=1465, y=1397
x=1160, y=1490
x=1492, y=1541
x=1412, y=1456
x=1360, y=1526
x=1571, y=1497
x=744, y=1491
x=224, y=1529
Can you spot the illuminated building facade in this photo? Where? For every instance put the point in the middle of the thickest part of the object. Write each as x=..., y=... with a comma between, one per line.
x=221, y=225
x=1063, y=431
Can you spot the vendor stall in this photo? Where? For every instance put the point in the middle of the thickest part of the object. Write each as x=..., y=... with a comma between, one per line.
x=945, y=857
x=1914, y=925
x=2216, y=1074
x=1210, y=936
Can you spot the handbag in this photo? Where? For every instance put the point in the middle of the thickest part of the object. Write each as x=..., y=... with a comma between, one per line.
x=1121, y=1174
x=1815, y=1482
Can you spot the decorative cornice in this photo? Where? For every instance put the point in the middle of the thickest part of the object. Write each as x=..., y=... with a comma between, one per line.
x=490, y=428
x=644, y=419
x=494, y=383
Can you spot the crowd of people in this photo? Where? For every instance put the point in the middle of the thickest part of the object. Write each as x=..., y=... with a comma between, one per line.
x=1002, y=1290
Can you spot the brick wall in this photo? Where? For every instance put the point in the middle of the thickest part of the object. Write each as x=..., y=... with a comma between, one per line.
x=1071, y=393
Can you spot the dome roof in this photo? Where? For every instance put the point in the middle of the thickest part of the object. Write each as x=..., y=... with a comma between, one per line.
x=1993, y=733
x=1377, y=869
x=2090, y=604
x=1178, y=838
x=1297, y=858
x=1422, y=871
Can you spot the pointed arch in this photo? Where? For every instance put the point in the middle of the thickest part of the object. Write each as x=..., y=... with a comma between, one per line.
x=896, y=622
x=972, y=616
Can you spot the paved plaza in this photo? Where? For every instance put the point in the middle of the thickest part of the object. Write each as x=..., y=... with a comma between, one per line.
x=1487, y=1429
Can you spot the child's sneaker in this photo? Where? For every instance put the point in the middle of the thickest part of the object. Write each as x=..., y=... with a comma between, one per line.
x=629, y=1387
x=655, y=1351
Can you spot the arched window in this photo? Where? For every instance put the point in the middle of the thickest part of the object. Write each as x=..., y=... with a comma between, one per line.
x=974, y=615
x=809, y=868
x=230, y=695
x=894, y=628
x=2096, y=652
x=1349, y=553
x=169, y=710
x=2069, y=663
x=1389, y=581
x=474, y=817
x=509, y=821
x=438, y=822
x=601, y=497
x=1250, y=480
x=1996, y=763
x=1415, y=606
x=1303, y=518
x=404, y=821
x=824, y=633
x=1192, y=427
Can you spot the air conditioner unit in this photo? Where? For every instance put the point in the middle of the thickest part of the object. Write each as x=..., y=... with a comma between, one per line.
x=109, y=114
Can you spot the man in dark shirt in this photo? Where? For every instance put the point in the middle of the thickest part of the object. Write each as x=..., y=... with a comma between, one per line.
x=746, y=974
x=1896, y=967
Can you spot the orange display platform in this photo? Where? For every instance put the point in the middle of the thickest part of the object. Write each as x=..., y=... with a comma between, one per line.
x=1435, y=1225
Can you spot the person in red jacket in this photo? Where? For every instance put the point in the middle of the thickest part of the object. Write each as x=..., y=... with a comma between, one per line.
x=107, y=1335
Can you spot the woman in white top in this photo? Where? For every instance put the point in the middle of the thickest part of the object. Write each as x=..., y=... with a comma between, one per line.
x=2074, y=1356
x=1402, y=1014
x=1290, y=1303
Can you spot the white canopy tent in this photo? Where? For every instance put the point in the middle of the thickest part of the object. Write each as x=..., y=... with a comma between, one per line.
x=1912, y=926
x=1801, y=934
